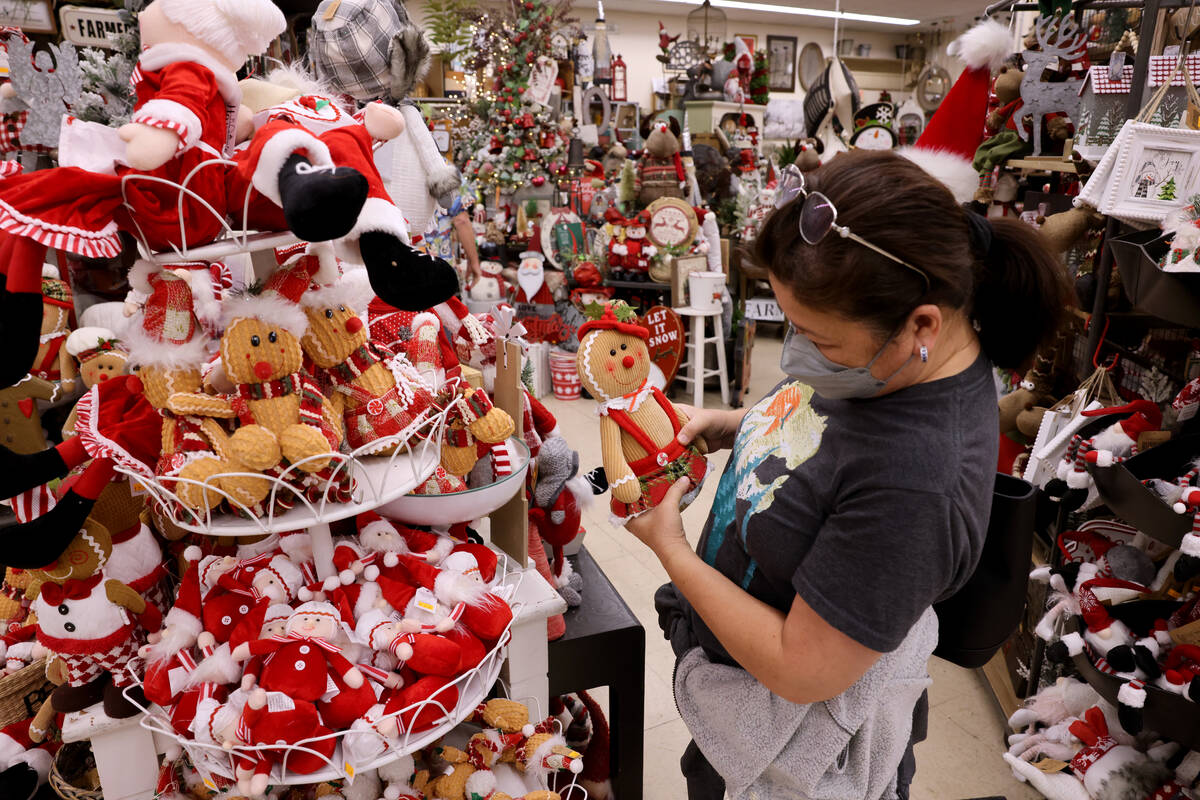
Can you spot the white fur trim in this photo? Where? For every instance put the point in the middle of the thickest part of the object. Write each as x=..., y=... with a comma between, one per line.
x=951, y=169
x=160, y=55
x=1190, y=546
x=269, y=309
x=217, y=668
x=139, y=275
x=380, y=216
x=205, y=303
x=354, y=294
x=86, y=339
x=175, y=116
x=453, y=588
x=1078, y=480
x=1073, y=642
x=328, y=268
x=180, y=630
x=193, y=553
x=40, y=761
x=367, y=596
x=235, y=28
x=149, y=352
x=1131, y=695
x=481, y=783
x=988, y=44
x=275, y=153
x=51, y=271
x=10, y=751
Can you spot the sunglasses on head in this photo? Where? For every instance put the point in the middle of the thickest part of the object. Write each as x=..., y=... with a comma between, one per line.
x=818, y=217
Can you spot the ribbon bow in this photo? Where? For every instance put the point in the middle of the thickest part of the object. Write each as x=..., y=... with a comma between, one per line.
x=56, y=593
x=508, y=329
x=315, y=640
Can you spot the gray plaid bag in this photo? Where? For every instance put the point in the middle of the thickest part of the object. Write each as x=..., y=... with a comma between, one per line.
x=368, y=49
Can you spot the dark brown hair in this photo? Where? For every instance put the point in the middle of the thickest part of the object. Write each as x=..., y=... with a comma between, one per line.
x=1015, y=292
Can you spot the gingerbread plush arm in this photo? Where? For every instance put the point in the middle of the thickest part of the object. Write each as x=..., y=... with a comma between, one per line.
x=200, y=405
x=149, y=617
x=621, y=480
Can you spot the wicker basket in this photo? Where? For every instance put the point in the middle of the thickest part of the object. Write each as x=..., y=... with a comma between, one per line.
x=74, y=764
x=22, y=692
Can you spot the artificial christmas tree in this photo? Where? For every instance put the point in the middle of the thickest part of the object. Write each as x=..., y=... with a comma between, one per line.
x=512, y=140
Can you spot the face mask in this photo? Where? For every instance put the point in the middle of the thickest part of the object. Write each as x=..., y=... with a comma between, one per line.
x=803, y=361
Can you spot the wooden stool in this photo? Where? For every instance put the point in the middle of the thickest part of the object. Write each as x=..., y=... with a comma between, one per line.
x=605, y=645
x=696, y=371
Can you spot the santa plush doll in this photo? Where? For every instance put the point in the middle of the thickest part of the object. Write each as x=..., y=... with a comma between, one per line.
x=423, y=653
x=378, y=537
x=531, y=280
x=638, y=249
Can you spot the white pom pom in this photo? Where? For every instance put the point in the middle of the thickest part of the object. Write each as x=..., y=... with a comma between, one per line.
x=371, y=573
x=193, y=553
x=1179, y=508
x=305, y=594
x=330, y=583
x=391, y=559
x=346, y=576
x=528, y=730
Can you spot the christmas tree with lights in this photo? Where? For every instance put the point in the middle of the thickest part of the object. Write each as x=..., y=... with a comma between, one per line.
x=512, y=141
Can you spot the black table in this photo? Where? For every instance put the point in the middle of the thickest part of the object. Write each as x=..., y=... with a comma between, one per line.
x=605, y=645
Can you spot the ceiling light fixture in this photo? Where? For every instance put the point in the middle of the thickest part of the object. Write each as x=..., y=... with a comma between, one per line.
x=743, y=5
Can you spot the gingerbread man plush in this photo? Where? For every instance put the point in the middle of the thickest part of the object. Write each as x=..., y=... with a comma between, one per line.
x=638, y=424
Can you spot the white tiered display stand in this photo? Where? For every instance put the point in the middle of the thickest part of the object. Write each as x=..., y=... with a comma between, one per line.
x=127, y=750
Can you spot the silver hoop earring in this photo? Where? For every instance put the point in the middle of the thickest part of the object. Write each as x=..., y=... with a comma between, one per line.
x=924, y=354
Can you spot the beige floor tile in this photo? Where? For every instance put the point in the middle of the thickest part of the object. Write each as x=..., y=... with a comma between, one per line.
x=960, y=759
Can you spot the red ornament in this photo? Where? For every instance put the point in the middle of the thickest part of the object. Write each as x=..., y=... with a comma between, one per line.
x=530, y=154
x=529, y=58
x=538, y=180
x=529, y=6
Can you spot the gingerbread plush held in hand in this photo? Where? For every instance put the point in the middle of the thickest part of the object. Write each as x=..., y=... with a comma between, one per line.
x=638, y=425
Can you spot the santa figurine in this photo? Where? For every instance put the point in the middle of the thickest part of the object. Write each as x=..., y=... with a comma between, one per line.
x=377, y=537
x=638, y=249
x=531, y=282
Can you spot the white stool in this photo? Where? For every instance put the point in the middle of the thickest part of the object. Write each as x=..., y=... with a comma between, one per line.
x=697, y=342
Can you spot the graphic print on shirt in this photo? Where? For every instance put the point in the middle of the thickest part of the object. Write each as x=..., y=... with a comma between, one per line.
x=776, y=436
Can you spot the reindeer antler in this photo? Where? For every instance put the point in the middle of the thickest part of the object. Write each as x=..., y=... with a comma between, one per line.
x=1059, y=36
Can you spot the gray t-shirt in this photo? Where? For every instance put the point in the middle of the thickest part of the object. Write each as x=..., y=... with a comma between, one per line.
x=870, y=510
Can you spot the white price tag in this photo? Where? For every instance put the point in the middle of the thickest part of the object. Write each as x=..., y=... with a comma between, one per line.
x=425, y=600
x=278, y=701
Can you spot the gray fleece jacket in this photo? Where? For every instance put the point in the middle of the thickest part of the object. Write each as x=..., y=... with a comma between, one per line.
x=846, y=748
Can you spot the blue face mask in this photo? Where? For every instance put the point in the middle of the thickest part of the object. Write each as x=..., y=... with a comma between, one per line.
x=803, y=361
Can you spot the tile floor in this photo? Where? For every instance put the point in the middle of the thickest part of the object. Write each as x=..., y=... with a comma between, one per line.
x=960, y=759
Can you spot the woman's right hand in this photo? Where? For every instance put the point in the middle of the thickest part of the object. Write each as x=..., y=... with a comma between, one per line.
x=717, y=427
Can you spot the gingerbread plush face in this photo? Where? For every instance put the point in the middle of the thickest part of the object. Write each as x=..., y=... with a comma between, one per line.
x=85, y=555
x=617, y=363
x=334, y=332
x=102, y=367
x=254, y=351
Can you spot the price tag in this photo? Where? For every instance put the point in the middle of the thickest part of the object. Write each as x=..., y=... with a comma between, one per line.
x=425, y=600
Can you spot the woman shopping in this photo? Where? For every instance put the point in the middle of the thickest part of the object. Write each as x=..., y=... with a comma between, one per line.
x=857, y=493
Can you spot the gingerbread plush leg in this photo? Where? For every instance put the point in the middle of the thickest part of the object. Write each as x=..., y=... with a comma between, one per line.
x=20, y=305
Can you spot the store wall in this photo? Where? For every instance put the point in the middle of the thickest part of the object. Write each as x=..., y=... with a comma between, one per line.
x=636, y=39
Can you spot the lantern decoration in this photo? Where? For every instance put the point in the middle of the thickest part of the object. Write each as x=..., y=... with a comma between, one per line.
x=620, y=90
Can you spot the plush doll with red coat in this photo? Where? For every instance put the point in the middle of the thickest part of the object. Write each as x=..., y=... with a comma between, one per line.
x=638, y=249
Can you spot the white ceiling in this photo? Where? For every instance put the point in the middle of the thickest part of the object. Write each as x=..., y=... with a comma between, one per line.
x=928, y=11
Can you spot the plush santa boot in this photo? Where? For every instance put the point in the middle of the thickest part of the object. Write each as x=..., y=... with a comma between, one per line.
x=404, y=277
x=320, y=203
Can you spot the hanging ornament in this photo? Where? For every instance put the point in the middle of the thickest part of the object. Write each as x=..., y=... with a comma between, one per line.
x=538, y=180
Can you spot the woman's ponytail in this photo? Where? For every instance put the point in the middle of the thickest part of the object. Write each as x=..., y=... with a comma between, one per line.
x=1021, y=291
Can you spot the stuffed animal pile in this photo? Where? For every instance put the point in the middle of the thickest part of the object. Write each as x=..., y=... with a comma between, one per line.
x=257, y=657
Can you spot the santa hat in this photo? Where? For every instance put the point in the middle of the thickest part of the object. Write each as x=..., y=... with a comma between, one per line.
x=55, y=290
x=375, y=629
x=182, y=624
x=237, y=29
x=597, y=766
x=451, y=587
x=946, y=148
x=741, y=52
x=86, y=343
x=1143, y=416
x=286, y=572
x=485, y=559
x=276, y=302
x=169, y=335
x=608, y=321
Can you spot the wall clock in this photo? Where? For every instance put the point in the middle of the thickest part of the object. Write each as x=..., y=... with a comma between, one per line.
x=673, y=222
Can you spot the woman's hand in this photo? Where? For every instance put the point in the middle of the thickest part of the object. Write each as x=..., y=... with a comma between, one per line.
x=661, y=529
x=717, y=428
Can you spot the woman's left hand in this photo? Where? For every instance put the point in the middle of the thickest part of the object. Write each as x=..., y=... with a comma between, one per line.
x=661, y=528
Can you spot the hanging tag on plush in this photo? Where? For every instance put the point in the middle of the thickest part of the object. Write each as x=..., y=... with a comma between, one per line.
x=425, y=600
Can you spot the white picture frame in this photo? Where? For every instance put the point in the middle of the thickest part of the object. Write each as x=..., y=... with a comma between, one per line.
x=1154, y=173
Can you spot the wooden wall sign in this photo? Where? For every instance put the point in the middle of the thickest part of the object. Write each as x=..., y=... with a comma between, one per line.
x=667, y=340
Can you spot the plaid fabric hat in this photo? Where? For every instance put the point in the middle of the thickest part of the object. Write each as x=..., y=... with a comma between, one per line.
x=357, y=45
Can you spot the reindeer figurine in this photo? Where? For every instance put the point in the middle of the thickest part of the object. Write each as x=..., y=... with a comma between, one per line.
x=1057, y=38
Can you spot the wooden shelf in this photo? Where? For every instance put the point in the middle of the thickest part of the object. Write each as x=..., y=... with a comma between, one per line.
x=879, y=65
x=638, y=285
